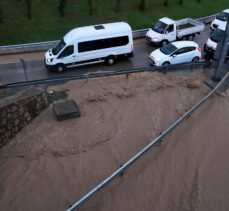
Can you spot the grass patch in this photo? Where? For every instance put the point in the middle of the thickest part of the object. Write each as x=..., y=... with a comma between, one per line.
x=57, y=95
x=46, y=23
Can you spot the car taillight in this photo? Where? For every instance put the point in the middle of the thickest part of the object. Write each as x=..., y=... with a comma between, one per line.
x=199, y=49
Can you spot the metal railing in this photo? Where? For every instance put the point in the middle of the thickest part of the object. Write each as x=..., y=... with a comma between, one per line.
x=42, y=46
x=163, y=69
x=145, y=149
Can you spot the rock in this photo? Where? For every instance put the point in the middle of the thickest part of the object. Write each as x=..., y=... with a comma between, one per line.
x=9, y=116
x=21, y=110
x=2, y=130
x=3, y=114
x=14, y=108
x=26, y=114
x=28, y=119
x=3, y=122
x=16, y=122
x=15, y=115
x=9, y=126
x=8, y=134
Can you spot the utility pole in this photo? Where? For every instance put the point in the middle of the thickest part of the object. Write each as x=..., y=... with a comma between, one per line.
x=223, y=54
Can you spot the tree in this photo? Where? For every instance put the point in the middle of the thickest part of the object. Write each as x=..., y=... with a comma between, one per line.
x=198, y=1
x=90, y=6
x=117, y=7
x=180, y=2
x=142, y=5
x=1, y=18
x=29, y=8
x=61, y=7
x=166, y=3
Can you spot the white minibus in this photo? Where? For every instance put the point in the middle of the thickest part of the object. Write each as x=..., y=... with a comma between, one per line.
x=91, y=44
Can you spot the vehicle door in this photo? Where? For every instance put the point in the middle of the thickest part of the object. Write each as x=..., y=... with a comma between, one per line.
x=67, y=56
x=170, y=32
x=178, y=56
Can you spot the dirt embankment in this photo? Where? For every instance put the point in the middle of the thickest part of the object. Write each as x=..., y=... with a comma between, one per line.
x=51, y=164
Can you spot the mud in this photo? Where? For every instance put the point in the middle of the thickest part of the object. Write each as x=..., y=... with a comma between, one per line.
x=51, y=164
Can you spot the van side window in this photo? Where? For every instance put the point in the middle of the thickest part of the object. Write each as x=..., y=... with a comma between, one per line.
x=67, y=51
x=102, y=44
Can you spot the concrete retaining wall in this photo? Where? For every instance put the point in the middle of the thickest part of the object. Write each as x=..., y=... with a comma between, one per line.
x=18, y=110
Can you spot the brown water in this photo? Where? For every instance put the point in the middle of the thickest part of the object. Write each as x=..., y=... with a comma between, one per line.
x=49, y=165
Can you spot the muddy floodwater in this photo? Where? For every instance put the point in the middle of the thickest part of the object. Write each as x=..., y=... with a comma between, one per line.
x=50, y=164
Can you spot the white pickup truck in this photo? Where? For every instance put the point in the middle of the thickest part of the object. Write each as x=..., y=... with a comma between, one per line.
x=166, y=30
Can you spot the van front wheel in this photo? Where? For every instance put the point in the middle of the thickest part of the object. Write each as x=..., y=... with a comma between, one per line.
x=60, y=68
x=110, y=60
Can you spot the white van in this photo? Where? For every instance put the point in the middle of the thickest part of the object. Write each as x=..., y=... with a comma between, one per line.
x=215, y=37
x=91, y=44
x=220, y=20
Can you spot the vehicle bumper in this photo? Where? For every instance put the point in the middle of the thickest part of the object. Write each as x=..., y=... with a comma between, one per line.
x=153, y=63
x=50, y=67
x=150, y=41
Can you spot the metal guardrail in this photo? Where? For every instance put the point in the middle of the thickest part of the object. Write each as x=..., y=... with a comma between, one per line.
x=145, y=149
x=43, y=46
x=62, y=79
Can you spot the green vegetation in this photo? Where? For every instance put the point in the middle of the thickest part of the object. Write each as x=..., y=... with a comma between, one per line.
x=57, y=95
x=24, y=21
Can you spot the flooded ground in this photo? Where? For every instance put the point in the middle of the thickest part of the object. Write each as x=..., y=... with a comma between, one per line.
x=50, y=164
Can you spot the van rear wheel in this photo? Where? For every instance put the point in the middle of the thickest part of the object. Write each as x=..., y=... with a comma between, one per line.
x=60, y=68
x=110, y=60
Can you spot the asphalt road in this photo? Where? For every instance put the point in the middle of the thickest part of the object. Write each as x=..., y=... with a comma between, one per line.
x=34, y=68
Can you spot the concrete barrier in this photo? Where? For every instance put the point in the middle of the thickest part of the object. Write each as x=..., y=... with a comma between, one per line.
x=43, y=46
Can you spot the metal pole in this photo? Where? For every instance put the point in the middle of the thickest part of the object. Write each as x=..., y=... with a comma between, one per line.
x=223, y=54
x=24, y=68
x=144, y=150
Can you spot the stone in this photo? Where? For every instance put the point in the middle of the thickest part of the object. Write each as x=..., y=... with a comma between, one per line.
x=14, y=108
x=2, y=130
x=9, y=116
x=21, y=110
x=16, y=122
x=15, y=115
x=3, y=122
x=9, y=126
x=28, y=119
x=26, y=114
x=8, y=134
x=3, y=114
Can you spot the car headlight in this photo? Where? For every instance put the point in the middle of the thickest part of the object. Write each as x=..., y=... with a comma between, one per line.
x=49, y=60
x=154, y=39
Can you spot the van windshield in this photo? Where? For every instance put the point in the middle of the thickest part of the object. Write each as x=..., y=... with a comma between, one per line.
x=217, y=36
x=168, y=49
x=59, y=47
x=223, y=16
x=159, y=27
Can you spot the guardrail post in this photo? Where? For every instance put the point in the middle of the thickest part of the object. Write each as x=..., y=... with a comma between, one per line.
x=24, y=68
